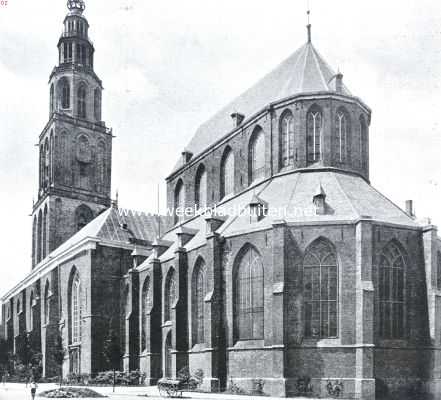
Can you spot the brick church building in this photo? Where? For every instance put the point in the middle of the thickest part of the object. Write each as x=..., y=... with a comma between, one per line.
x=300, y=272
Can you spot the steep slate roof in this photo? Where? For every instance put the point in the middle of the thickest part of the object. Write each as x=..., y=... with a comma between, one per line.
x=118, y=225
x=305, y=71
x=348, y=198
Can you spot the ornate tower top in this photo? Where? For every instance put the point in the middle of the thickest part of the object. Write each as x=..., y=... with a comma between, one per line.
x=76, y=6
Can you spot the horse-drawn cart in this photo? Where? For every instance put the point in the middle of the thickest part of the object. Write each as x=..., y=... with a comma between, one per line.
x=171, y=387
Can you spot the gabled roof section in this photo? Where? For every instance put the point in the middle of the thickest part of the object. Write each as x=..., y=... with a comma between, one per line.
x=305, y=71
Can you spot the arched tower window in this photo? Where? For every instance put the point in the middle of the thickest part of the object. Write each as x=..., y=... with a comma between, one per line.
x=31, y=311
x=169, y=295
x=286, y=140
x=199, y=291
x=47, y=163
x=438, y=270
x=227, y=173
x=39, y=235
x=44, y=242
x=179, y=201
x=81, y=95
x=75, y=309
x=46, y=305
x=147, y=304
x=34, y=240
x=64, y=93
x=342, y=130
x=249, y=296
x=97, y=104
x=314, y=133
x=101, y=165
x=51, y=99
x=391, y=291
x=256, y=155
x=363, y=142
x=320, y=289
x=83, y=215
x=201, y=187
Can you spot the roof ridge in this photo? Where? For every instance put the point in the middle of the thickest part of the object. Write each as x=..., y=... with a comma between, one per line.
x=344, y=193
x=325, y=84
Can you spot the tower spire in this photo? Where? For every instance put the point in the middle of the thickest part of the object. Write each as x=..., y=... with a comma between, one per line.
x=308, y=26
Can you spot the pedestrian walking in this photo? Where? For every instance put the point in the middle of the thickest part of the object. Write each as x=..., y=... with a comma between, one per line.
x=33, y=389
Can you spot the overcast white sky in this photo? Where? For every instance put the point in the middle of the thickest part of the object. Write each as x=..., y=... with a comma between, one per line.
x=167, y=66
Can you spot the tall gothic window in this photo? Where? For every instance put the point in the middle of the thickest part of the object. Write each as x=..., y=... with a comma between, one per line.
x=438, y=270
x=286, y=140
x=320, y=291
x=39, y=235
x=46, y=305
x=256, y=155
x=82, y=101
x=314, y=128
x=201, y=187
x=31, y=312
x=97, y=104
x=227, y=173
x=199, y=291
x=147, y=304
x=342, y=134
x=363, y=142
x=391, y=291
x=169, y=295
x=76, y=309
x=44, y=241
x=65, y=93
x=179, y=201
x=51, y=99
x=249, y=297
x=34, y=240
x=101, y=165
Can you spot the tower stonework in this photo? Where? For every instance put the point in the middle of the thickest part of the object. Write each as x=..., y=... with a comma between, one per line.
x=75, y=146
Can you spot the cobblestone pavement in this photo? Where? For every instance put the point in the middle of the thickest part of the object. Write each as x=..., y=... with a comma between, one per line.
x=12, y=391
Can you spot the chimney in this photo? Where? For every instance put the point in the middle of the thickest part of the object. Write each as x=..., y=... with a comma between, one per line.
x=339, y=82
x=409, y=208
x=237, y=119
x=186, y=156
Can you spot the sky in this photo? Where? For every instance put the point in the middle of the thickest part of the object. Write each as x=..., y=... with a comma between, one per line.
x=168, y=66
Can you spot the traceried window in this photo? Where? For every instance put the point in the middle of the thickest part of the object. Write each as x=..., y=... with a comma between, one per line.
x=31, y=311
x=76, y=309
x=199, y=291
x=65, y=93
x=179, y=201
x=201, y=187
x=438, y=270
x=391, y=291
x=320, y=290
x=286, y=140
x=147, y=304
x=82, y=101
x=342, y=134
x=51, y=99
x=256, y=155
x=46, y=305
x=249, y=297
x=169, y=295
x=314, y=127
x=227, y=173
x=363, y=142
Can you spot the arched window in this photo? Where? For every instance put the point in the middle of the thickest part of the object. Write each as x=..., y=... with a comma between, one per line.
x=64, y=92
x=342, y=129
x=101, y=165
x=97, y=104
x=314, y=128
x=82, y=101
x=46, y=305
x=391, y=291
x=363, y=142
x=51, y=99
x=179, y=201
x=286, y=140
x=44, y=241
x=249, y=297
x=438, y=270
x=199, y=291
x=47, y=162
x=169, y=295
x=83, y=215
x=201, y=187
x=147, y=304
x=31, y=312
x=256, y=155
x=227, y=173
x=34, y=240
x=39, y=235
x=320, y=290
x=75, y=310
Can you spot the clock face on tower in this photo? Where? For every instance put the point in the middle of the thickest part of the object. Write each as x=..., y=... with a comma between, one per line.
x=76, y=5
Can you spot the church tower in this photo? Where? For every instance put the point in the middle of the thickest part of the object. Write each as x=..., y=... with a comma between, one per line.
x=75, y=146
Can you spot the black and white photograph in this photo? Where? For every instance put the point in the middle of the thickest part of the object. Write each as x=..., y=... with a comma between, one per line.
x=220, y=200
